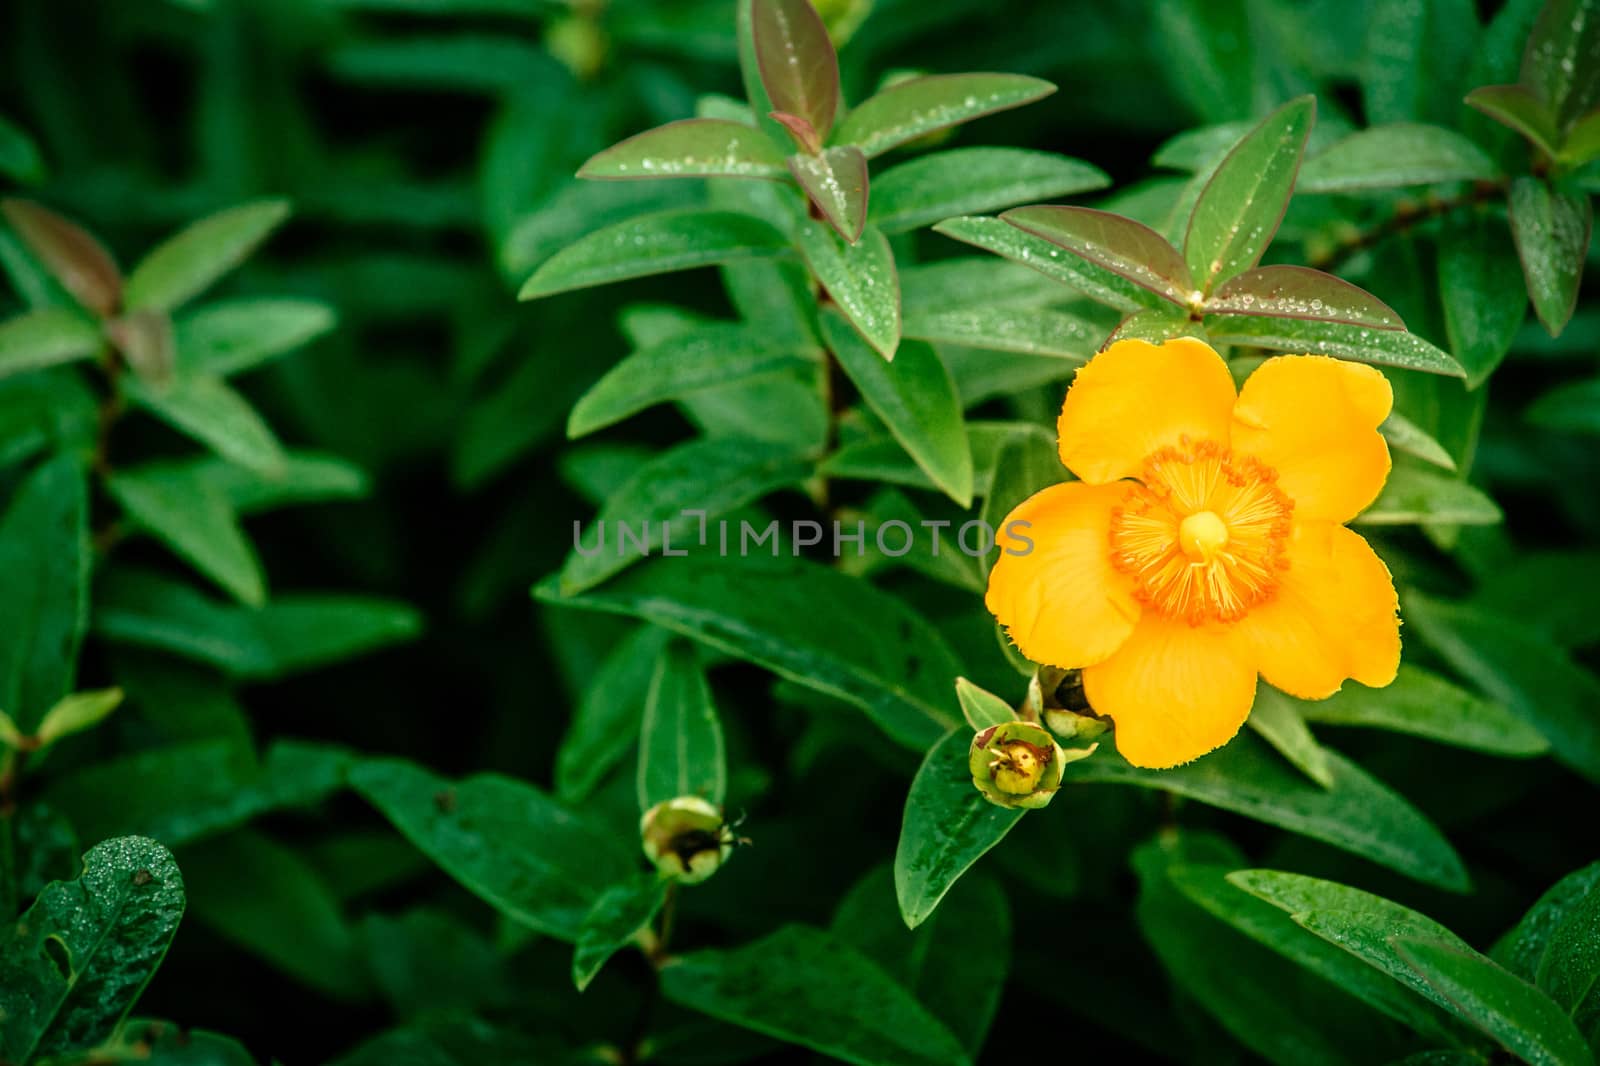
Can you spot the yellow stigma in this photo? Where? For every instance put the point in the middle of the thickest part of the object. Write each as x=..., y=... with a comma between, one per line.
x=1202, y=535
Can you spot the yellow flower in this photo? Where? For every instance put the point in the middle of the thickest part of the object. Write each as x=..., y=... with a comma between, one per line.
x=1204, y=543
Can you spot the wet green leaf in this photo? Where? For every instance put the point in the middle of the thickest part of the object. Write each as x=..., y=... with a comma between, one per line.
x=916, y=399
x=1386, y=347
x=1301, y=293
x=812, y=625
x=1551, y=228
x=1480, y=284
x=796, y=59
x=80, y=958
x=689, y=148
x=969, y=181
x=1129, y=249
x=1239, y=209
x=1093, y=281
x=861, y=280
x=668, y=503
x=654, y=244
x=503, y=840
x=802, y=985
x=680, y=741
x=836, y=181
x=909, y=109
x=1394, y=156
x=948, y=826
x=1424, y=704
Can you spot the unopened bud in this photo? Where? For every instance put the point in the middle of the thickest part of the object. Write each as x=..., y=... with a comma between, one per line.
x=1016, y=764
x=686, y=839
x=1058, y=697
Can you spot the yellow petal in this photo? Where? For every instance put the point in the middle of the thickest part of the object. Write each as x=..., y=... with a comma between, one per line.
x=1176, y=691
x=1136, y=397
x=1053, y=586
x=1333, y=617
x=1315, y=421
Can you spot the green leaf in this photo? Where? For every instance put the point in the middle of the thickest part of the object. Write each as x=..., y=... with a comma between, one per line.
x=973, y=283
x=1551, y=228
x=1480, y=284
x=709, y=356
x=673, y=498
x=1277, y=718
x=290, y=634
x=181, y=793
x=1129, y=249
x=1583, y=141
x=503, y=840
x=70, y=253
x=1517, y=666
x=1300, y=293
x=49, y=336
x=1406, y=436
x=1093, y=281
x=165, y=1044
x=1360, y=923
x=306, y=477
x=206, y=408
x=193, y=517
x=267, y=899
x=654, y=244
x=883, y=458
x=1208, y=47
x=1517, y=1015
x=80, y=958
x=981, y=708
x=1028, y=331
x=1358, y=813
x=805, y=987
x=948, y=826
x=1157, y=325
x=1240, y=207
x=1211, y=888
x=969, y=181
x=232, y=336
x=1256, y=995
x=909, y=109
x=1386, y=347
x=45, y=553
x=1424, y=704
x=618, y=917
x=1394, y=156
x=1570, y=968
x=19, y=155
x=1516, y=106
x=1523, y=949
x=956, y=963
x=609, y=716
x=680, y=743
x=916, y=399
x=860, y=278
x=798, y=66
x=690, y=148
x=1414, y=496
x=836, y=182
x=1549, y=590
x=76, y=712
x=808, y=623
x=1562, y=62
x=1570, y=408
x=191, y=260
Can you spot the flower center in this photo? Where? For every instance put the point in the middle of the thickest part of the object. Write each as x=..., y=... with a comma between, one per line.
x=1204, y=535
x=1019, y=767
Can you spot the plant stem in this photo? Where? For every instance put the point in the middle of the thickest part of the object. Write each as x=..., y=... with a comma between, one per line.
x=1404, y=219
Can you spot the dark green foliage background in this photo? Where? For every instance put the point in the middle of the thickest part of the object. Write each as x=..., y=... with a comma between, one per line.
x=414, y=138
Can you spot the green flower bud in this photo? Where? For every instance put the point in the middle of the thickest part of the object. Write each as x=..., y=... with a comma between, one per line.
x=686, y=839
x=1016, y=764
x=1057, y=695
